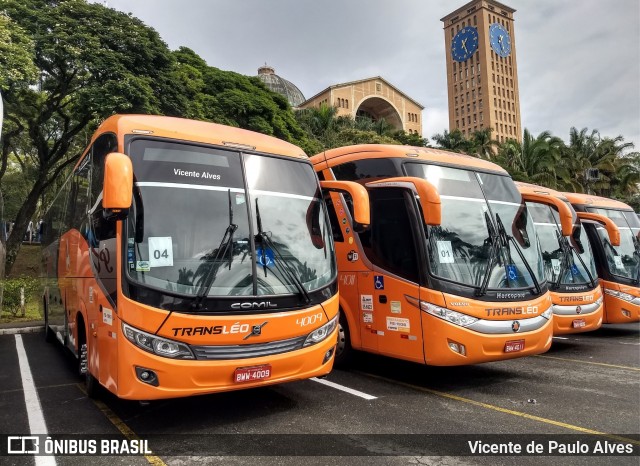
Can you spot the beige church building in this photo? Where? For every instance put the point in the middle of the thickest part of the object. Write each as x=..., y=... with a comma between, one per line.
x=375, y=98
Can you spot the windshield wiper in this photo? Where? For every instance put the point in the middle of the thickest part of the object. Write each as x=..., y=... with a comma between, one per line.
x=493, y=253
x=283, y=267
x=503, y=233
x=572, y=249
x=212, y=272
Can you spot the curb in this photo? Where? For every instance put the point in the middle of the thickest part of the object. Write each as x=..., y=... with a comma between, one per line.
x=16, y=330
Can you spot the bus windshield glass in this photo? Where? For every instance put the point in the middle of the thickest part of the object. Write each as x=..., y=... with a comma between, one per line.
x=623, y=260
x=559, y=269
x=212, y=222
x=485, y=232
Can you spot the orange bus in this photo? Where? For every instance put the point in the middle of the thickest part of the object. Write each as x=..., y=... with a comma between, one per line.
x=568, y=260
x=183, y=257
x=449, y=271
x=618, y=266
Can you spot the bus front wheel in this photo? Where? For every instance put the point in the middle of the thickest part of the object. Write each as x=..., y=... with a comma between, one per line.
x=344, y=351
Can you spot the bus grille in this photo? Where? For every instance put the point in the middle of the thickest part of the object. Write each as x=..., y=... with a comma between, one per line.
x=248, y=351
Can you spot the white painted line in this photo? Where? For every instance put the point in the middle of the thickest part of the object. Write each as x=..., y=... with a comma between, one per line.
x=37, y=426
x=635, y=344
x=344, y=389
x=560, y=338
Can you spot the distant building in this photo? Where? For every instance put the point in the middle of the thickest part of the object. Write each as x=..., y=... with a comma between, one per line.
x=374, y=98
x=280, y=85
x=482, y=76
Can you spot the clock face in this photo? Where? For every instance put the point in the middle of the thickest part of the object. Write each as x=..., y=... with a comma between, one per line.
x=464, y=43
x=499, y=39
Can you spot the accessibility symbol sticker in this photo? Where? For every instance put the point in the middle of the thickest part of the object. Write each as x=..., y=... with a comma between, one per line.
x=512, y=272
x=378, y=282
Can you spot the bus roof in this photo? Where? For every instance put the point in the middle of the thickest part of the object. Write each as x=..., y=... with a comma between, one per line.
x=528, y=188
x=333, y=157
x=198, y=131
x=596, y=201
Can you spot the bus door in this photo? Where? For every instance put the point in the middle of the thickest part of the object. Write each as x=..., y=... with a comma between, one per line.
x=391, y=326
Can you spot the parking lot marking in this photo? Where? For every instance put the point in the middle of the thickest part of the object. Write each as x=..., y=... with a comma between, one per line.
x=344, y=389
x=629, y=368
x=35, y=416
x=502, y=410
x=122, y=427
x=560, y=338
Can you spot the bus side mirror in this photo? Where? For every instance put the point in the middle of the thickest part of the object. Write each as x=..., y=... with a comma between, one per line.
x=612, y=229
x=566, y=216
x=359, y=195
x=428, y=194
x=118, y=186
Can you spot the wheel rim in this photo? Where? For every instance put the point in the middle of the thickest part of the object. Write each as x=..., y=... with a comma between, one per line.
x=342, y=340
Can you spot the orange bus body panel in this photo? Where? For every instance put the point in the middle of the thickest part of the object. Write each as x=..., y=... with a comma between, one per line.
x=113, y=359
x=568, y=307
x=399, y=328
x=616, y=309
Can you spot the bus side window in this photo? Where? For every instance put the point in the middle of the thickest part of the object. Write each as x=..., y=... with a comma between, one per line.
x=389, y=242
x=104, y=145
x=102, y=232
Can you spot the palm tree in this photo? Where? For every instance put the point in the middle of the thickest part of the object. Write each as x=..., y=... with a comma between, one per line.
x=453, y=141
x=591, y=151
x=535, y=159
x=483, y=146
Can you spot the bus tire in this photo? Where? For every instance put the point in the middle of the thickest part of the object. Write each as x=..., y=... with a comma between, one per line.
x=91, y=384
x=344, y=351
x=49, y=337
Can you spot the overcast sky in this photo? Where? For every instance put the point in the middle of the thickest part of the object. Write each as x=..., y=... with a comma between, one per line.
x=578, y=60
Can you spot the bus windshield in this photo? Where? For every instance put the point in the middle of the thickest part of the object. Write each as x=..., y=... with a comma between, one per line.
x=623, y=260
x=561, y=270
x=211, y=222
x=481, y=213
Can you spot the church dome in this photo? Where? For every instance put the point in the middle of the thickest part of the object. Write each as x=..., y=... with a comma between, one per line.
x=280, y=85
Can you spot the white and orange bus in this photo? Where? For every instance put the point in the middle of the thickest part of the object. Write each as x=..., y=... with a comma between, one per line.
x=449, y=271
x=183, y=258
x=568, y=260
x=618, y=265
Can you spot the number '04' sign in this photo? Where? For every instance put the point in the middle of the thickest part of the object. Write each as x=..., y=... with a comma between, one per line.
x=160, y=251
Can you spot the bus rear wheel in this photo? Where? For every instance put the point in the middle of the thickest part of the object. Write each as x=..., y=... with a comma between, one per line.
x=49, y=337
x=91, y=384
x=344, y=351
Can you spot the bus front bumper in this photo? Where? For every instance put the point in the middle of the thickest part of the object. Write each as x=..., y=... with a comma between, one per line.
x=452, y=345
x=184, y=377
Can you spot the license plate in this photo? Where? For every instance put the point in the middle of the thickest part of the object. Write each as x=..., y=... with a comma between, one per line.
x=513, y=346
x=251, y=374
x=579, y=323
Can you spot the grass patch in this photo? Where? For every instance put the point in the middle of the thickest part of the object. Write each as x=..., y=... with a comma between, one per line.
x=24, y=274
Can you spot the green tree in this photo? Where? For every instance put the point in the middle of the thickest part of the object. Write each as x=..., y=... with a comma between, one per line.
x=482, y=145
x=92, y=62
x=453, y=141
x=535, y=159
x=589, y=150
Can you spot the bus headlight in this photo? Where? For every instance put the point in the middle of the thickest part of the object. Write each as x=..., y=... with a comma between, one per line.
x=156, y=345
x=548, y=313
x=321, y=333
x=619, y=294
x=457, y=318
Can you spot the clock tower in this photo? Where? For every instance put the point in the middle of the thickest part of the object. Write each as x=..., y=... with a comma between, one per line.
x=482, y=77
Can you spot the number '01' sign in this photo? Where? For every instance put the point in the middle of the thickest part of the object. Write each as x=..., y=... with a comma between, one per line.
x=160, y=251
x=445, y=252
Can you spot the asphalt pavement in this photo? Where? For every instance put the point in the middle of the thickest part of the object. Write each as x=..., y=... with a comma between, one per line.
x=379, y=411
